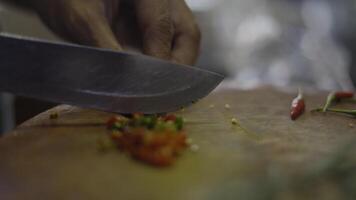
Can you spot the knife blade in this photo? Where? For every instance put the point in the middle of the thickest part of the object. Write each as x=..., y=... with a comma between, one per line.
x=99, y=78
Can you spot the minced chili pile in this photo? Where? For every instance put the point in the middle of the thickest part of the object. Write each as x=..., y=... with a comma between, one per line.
x=156, y=140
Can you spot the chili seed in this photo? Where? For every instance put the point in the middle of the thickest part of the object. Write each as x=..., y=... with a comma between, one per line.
x=189, y=141
x=194, y=148
x=234, y=121
x=54, y=115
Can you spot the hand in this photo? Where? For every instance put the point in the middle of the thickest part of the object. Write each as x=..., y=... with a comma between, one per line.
x=161, y=28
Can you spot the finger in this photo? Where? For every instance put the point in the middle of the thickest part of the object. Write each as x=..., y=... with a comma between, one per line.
x=155, y=23
x=126, y=28
x=96, y=32
x=186, y=47
x=187, y=38
x=99, y=34
x=83, y=23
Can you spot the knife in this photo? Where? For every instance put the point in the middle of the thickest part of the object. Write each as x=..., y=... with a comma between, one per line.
x=99, y=78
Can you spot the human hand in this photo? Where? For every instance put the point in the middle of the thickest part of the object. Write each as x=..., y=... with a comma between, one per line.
x=161, y=28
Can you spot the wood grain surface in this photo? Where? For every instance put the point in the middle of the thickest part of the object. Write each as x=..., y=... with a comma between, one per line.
x=58, y=158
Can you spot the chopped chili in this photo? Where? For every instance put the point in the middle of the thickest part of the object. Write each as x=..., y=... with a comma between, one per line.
x=170, y=118
x=151, y=139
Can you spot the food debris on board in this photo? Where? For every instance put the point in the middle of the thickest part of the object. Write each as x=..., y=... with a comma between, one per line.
x=53, y=115
x=104, y=144
x=227, y=106
x=298, y=106
x=194, y=148
x=189, y=141
x=182, y=109
x=155, y=140
x=234, y=121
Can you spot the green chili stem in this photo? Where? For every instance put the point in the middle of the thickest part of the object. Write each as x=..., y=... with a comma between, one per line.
x=329, y=100
x=343, y=111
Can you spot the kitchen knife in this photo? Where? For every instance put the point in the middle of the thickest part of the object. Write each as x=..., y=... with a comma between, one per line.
x=98, y=78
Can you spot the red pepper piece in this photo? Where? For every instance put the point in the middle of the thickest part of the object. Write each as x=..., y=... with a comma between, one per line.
x=116, y=122
x=170, y=118
x=297, y=107
x=111, y=122
x=343, y=95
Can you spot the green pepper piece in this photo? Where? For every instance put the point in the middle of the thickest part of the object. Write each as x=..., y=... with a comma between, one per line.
x=148, y=121
x=151, y=122
x=160, y=125
x=179, y=123
x=118, y=126
x=171, y=126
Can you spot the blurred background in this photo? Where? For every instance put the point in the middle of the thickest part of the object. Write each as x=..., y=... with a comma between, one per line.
x=281, y=43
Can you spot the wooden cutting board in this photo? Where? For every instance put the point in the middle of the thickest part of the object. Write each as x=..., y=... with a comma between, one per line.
x=59, y=159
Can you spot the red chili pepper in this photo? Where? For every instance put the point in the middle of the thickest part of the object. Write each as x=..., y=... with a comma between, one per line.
x=343, y=95
x=297, y=107
x=336, y=96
